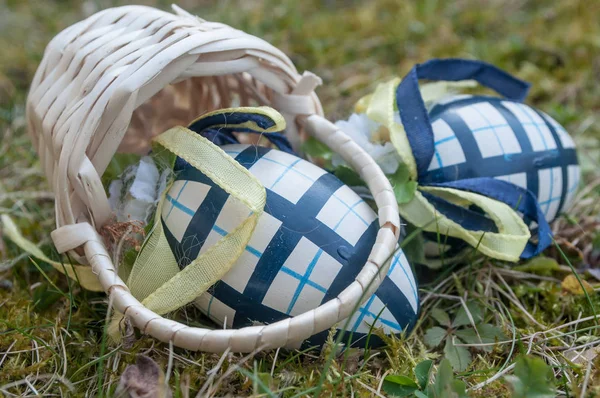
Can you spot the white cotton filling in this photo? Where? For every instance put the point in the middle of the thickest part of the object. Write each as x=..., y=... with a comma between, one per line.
x=146, y=180
x=114, y=193
x=361, y=129
x=135, y=195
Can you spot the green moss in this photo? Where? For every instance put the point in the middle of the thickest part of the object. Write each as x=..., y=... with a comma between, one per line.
x=353, y=45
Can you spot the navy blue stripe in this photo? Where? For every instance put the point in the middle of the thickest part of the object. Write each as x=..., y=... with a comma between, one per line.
x=462, y=102
x=245, y=305
x=523, y=138
x=266, y=315
x=278, y=250
x=249, y=156
x=202, y=221
x=301, y=218
x=563, y=167
x=397, y=303
x=499, y=166
x=467, y=142
x=359, y=257
x=206, y=216
x=297, y=221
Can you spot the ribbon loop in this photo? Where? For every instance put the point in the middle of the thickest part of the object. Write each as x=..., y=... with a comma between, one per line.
x=411, y=106
x=481, y=212
x=516, y=197
x=219, y=126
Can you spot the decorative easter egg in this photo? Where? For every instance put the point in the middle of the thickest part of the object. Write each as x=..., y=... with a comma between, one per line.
x=477, y=136
x=312, y=240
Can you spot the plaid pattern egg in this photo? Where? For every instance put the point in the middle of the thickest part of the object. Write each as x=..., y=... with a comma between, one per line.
x=478, y=136
x=309, y=244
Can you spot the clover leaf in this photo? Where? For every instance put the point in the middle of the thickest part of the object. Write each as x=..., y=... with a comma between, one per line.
x=444, y=385
x=467, y=327
x=531, y=378
x=404, y=386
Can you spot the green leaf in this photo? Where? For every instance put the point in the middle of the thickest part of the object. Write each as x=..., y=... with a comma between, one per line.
x=399, y=385
x=414, y=248
x=532, y=378
x=445, y=386
x=434, y=336
x=405, y=192
x=404, y=187
x=117, y=165
x=401, y=175
x=258, y=380
x=267, y=381
x=316, y=149
x=422, y=371
x=488, y=333
x=539, y=265
x=459, y=357
x=44, y=296
x=348, y=176
x=463, y=319
x=441, y=316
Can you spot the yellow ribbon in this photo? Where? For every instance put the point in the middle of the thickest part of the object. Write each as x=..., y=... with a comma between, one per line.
x=81, y=273
x=156, y=278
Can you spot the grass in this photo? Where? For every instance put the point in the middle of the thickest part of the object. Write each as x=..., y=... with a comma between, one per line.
x=52, y=338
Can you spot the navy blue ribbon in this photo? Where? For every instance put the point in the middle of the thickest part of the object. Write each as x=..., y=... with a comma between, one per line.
x=220, y=138
x=224, y=135
x=230, y=121
x=419, y=131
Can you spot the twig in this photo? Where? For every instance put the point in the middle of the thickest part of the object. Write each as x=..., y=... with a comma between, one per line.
x=17, y=383
x=169, y=364
x=211, y=373
x=234, y=368
x=371, y=389
x=7, y=352
x=516, y=303
x=586, y=379
x=274, y=361
x=493, y=378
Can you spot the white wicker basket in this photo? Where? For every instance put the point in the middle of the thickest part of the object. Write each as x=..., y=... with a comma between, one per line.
x=116, y=79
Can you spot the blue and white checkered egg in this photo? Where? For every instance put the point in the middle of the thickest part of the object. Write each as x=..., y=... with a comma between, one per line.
x=312, y=240
x=478, y=136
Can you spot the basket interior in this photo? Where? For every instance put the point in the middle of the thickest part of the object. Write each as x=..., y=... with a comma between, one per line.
x=180, y=103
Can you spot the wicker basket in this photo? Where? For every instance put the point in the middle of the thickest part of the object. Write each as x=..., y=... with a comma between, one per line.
x=116, y=79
